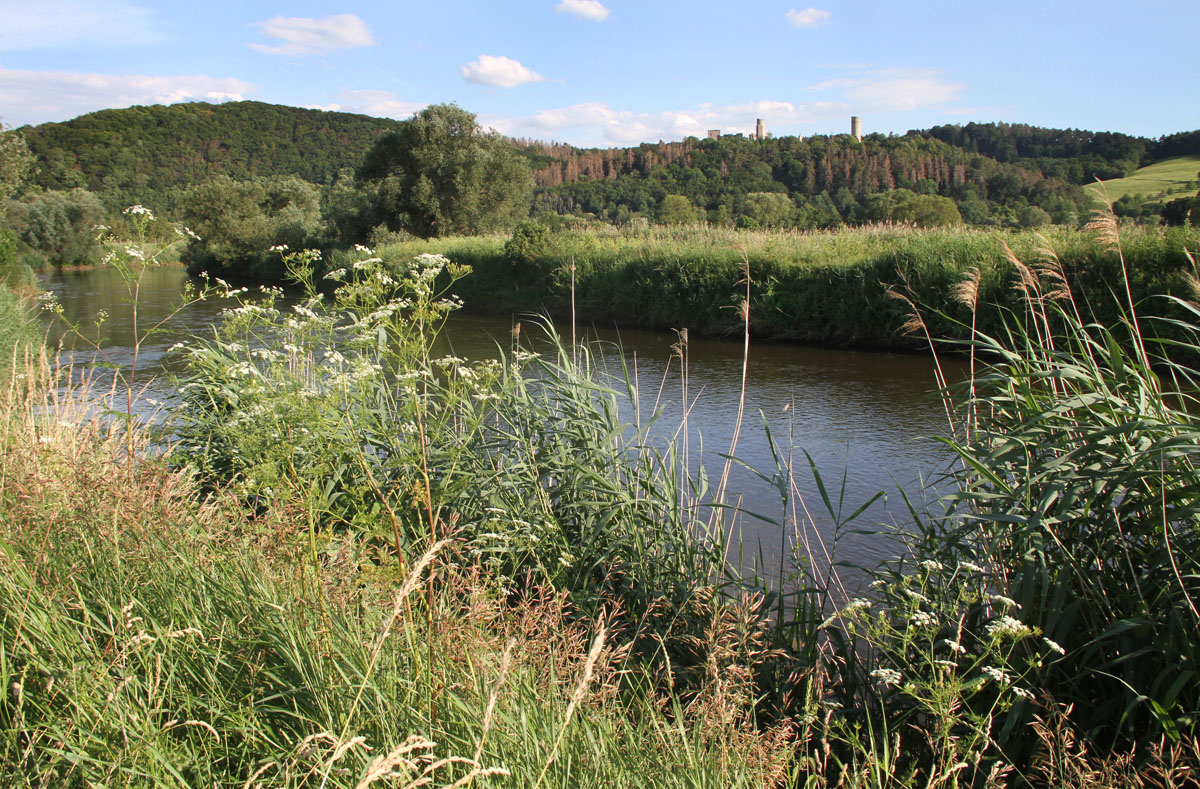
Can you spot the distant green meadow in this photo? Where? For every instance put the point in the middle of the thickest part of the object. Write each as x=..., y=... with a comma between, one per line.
x=1154, y=179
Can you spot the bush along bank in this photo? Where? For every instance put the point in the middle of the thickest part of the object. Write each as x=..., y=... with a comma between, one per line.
x=825, y=289
x=359, y=530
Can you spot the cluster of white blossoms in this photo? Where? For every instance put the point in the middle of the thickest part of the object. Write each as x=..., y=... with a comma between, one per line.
x=1007, y=627
x=886, y=676
x=922, y=619
x=998, y=675
x=139, y=210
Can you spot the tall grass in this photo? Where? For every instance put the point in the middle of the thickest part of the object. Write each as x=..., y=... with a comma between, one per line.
x=154, y=636
x=364, y=563
x=824, y=288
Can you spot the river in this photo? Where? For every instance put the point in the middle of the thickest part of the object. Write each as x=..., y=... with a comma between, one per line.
x=867, y=420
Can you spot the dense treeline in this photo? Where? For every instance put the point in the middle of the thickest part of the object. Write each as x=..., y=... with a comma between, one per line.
x=996, y=174
x=140, y=154
x=356, y=179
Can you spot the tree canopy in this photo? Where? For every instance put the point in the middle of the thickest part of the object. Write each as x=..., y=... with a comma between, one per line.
x=440, y=173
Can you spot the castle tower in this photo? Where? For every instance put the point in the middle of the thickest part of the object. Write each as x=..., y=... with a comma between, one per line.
x=856, y=127
x=760, y=130
x=714, y=134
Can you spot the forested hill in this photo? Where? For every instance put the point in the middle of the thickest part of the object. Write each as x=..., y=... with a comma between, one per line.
x=994, y=174
x=828, y=177
x=139, y=154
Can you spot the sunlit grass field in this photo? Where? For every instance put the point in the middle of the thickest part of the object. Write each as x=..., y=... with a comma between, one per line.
x=1153, y=179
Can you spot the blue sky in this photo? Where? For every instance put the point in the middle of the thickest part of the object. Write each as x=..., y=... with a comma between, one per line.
x=619, y=72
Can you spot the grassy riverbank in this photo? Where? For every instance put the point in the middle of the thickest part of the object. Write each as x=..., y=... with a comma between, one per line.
x=361, y=563
x=823, y=288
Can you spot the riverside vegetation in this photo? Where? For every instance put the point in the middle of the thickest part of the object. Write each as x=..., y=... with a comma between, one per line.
x=372, y=566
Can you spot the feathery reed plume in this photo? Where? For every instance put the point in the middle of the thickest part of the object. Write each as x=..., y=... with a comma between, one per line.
x=967, y=290
x=589, y=667
x=914, y=323
x=1193, y=277
x=1049, y=267
x=1030, y=286
x=1027, y=282
x=385, y=766
x=1104, y=225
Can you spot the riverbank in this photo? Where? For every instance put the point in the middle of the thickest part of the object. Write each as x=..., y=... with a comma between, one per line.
x=341, y=547
x=828, y=289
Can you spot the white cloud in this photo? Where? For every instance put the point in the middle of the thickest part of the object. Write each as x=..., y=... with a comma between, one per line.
x=595, y=123
x=39, y=96
x=59, y=24
x=809, y=17
x=499, y=71
x=591, y=10
x=380, y=103
x=894, y=90
x=306, y=36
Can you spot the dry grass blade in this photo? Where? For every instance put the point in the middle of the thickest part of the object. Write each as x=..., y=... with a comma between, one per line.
x=384, y=766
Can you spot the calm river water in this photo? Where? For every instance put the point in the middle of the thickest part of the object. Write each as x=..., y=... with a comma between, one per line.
x=867, y=418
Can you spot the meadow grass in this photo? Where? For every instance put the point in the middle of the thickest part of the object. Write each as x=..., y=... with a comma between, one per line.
x=19, y=337
x=364, y=564
x=1153, y=179
x=153, y=636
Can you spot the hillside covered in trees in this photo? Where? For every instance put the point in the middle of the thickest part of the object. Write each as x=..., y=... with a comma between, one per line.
x=141, y=154
x=260, y=171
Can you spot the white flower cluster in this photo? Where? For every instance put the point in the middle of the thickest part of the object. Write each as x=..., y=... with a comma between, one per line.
x=1005, y=602
x=139, y=210
x=998, y=675
x=1006, y=626
x=886, y=676
x=922, y=619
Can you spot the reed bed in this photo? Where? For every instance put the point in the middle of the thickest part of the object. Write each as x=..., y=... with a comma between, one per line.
x=825, y=288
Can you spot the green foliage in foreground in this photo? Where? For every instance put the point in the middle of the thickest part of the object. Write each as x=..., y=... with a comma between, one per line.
x=263, y=606
x=158, y=641
x=18, y=335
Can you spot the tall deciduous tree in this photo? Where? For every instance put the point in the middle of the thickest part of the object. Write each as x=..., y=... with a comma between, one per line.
x=16, y=161
x=440, y=173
